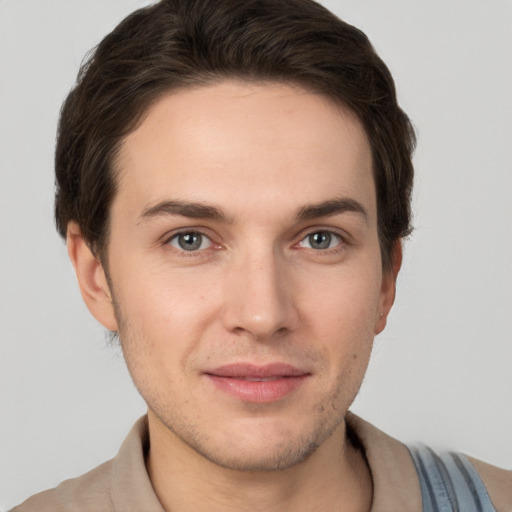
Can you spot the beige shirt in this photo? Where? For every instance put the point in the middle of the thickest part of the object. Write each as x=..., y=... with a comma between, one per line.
x=122, y=484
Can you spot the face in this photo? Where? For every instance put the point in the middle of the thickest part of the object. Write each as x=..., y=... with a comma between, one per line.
x=245, y=270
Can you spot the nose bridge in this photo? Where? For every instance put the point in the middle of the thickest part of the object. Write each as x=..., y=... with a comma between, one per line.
x=258, y=295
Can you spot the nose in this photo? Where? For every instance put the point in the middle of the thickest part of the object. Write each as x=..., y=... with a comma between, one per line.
x=259, y=297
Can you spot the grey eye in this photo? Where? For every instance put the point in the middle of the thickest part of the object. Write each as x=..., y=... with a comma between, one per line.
x=190, y=241
x=321, y=240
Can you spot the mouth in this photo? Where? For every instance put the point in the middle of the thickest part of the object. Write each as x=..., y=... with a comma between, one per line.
x=257, y=384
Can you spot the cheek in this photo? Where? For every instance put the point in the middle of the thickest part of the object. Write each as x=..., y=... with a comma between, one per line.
x=155, y=290
x=347, y=299
x=342, y=314
x=165, y=310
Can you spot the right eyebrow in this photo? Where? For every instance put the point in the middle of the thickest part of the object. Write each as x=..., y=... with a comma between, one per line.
x=185, y=209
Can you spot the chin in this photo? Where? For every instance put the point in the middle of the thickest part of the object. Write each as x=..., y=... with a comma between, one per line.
x=260, y=446
x=267, y=458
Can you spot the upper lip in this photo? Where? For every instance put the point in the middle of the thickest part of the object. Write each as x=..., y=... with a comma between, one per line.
x=235, y=370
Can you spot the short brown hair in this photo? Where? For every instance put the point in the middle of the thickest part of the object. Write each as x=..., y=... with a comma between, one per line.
x=179, y=43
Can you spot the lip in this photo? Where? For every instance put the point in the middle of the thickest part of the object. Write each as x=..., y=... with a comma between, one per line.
x=255, y=383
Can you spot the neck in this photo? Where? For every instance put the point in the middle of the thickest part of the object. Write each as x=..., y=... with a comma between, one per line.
x=335, y=477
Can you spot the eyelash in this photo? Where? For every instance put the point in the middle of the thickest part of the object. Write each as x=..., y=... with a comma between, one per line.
x=340, y=245
x=341, y=242
x=193, y=253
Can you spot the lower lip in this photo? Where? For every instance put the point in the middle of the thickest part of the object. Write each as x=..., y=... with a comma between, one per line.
x=258, y=391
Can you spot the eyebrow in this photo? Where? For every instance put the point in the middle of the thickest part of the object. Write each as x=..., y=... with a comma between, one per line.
x=195, y=210
x=186, y=209
x=331, y=207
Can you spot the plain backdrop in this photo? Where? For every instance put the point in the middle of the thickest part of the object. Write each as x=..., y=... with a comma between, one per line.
x=440, y=373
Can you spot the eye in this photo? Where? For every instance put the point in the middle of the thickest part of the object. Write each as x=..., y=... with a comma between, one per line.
x=190, y=241
x=321, y=240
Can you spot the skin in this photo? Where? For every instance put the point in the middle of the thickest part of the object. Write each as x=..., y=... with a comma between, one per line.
x=258, y=289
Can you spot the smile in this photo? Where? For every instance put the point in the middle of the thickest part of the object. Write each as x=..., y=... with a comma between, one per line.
x=257, y=384
x=261, y=379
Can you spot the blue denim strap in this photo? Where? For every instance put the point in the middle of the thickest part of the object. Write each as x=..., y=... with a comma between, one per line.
x=449, y=483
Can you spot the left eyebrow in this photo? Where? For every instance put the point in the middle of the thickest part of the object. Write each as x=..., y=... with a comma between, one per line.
x=331, y=207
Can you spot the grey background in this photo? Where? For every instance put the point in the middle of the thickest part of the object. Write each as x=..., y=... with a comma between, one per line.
x=441, y=372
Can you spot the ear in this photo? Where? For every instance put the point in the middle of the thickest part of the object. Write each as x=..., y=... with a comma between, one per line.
x=388, y=288
x=91, y=278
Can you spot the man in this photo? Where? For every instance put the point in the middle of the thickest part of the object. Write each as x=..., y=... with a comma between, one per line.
x=234, y=186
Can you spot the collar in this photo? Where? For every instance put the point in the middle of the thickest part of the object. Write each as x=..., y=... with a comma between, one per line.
x=395, y=482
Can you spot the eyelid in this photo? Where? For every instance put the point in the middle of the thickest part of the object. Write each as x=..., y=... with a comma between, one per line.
x=203, y=240
x=345, y=238
x=166, y=239
x=334, y=235
x=311, y=230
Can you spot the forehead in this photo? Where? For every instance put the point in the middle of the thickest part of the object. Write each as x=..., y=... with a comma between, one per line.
x=245, y=146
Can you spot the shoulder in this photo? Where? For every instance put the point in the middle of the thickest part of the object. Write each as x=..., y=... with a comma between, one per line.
x=412, y=478
x=450, y=477
x=498, y=483
x=119, y=484
x=89, y=492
